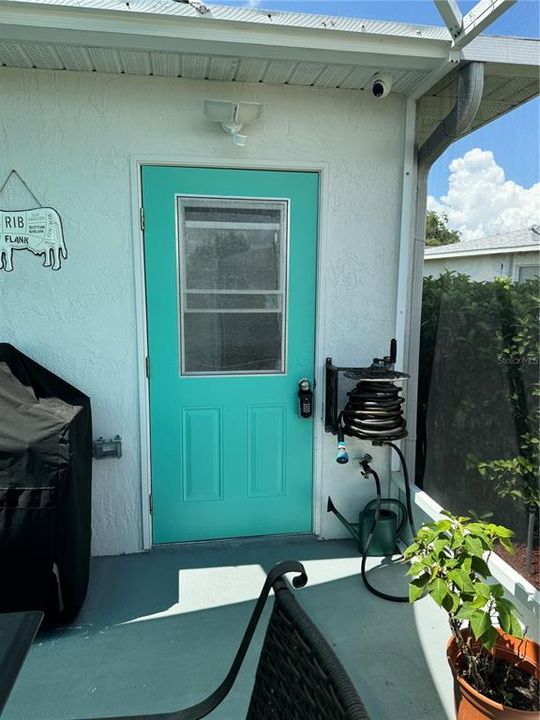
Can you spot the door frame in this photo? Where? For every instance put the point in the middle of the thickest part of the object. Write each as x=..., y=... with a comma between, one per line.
x=136, y=164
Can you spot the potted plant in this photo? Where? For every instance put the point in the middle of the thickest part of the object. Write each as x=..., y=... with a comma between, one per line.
x=495, y=667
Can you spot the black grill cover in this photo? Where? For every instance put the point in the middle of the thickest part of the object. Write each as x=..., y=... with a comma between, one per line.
x=45, y=489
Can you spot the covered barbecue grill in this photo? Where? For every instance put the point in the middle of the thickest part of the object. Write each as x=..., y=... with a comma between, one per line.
x=45, y=489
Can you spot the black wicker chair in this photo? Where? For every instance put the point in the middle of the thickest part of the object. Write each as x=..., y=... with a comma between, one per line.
x=298, y=677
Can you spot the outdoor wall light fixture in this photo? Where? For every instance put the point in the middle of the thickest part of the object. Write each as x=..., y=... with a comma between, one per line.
x=232, y=116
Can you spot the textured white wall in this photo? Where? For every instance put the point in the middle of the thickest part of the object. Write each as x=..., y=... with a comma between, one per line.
x=480, y=267
x=72, y=137
x=484, y=267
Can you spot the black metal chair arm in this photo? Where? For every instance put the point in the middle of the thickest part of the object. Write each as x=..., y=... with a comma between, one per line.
x=203, y=708
x=298, y=676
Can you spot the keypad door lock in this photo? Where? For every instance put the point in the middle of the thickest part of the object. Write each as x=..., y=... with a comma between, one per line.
x=305, y=398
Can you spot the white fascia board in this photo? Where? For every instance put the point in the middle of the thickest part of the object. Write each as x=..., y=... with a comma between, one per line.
x=505, y=55
x=37, y=22
x=483, y=14
x=480, y=253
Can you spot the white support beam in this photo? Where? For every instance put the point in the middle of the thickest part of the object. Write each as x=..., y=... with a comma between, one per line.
x=451, y=14
x=483, y=14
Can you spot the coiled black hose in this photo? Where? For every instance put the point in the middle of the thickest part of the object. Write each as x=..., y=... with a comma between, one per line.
x=374, y=411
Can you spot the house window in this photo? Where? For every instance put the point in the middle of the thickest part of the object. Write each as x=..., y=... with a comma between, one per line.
x=232, y=270
x=527, y=272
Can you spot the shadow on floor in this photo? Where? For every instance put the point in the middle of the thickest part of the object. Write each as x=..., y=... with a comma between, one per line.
x=158, y=632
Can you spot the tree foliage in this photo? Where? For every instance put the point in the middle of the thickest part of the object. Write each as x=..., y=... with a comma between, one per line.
x=437, y=232
x=478, y=431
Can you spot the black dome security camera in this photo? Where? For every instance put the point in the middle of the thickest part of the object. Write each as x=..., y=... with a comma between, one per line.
x=381, y=84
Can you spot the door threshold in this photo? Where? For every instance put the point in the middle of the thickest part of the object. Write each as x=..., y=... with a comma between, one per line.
x=220, y=543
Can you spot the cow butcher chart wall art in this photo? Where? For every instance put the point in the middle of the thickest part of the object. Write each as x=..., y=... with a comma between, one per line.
x=38, y=230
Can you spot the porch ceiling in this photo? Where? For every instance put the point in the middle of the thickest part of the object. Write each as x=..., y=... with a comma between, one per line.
x=505, y=88
x=169, y=39
x=131, y=61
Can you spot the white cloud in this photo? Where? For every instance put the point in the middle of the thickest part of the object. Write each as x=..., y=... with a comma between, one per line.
x=481, y=202
x=253, y=3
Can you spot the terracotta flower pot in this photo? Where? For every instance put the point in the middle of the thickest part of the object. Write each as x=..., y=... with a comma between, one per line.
x=470, y=704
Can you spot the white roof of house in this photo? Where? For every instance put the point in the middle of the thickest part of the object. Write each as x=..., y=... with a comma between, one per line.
x=518, y=241
x=177, y=39
x=231, y=13
x=258, y=16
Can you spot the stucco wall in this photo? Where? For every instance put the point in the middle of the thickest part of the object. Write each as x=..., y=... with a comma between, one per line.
x=480, y=267
x=73, y=136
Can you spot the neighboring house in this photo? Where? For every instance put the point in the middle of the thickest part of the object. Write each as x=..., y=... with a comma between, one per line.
x=515, y=254
x=204, y=278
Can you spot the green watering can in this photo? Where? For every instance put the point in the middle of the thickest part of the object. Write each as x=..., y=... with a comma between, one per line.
x=388, y=528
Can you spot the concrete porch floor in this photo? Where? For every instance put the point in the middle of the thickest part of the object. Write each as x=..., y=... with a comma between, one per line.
x=159, y=630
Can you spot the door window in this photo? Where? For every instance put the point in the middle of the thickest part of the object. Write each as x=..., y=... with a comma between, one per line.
x=232, y=285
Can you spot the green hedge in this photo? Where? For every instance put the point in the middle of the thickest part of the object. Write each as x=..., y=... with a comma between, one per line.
x=479, y=355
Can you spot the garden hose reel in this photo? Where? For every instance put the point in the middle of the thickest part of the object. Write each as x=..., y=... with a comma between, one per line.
x=373, y=412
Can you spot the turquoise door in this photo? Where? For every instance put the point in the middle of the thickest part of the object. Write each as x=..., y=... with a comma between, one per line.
x=230, y=260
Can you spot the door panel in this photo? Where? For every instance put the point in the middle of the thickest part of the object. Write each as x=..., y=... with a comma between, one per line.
x=230, y=258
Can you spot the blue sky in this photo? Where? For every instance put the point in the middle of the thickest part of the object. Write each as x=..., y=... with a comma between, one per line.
x=513, y=139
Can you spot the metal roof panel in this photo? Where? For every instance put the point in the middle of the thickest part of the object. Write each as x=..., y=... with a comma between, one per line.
x=258, y=16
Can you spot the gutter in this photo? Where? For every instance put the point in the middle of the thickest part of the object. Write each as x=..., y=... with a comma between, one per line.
x=459, y=119
x=481, y=252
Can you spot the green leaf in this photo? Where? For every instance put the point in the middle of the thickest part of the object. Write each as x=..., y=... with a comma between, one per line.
x=503, y=532
x=438, y=589
x=417, y=588
x=508, y=618
x=444, y=525
x=426, y=534
x=462, y=580
x=480, y=623
x=477, y=529
x=411, y=550
x=440, y=547
x=507, y=545
x=451, y=602
x=480, y=566
x=505, y=618
x=489, y=638
x=478, y=602
x=506, y=604
x=474, y=546
x=466, y=611
x=417, y=568
x=497, y=590
x=483, y=590
x=516, y=630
